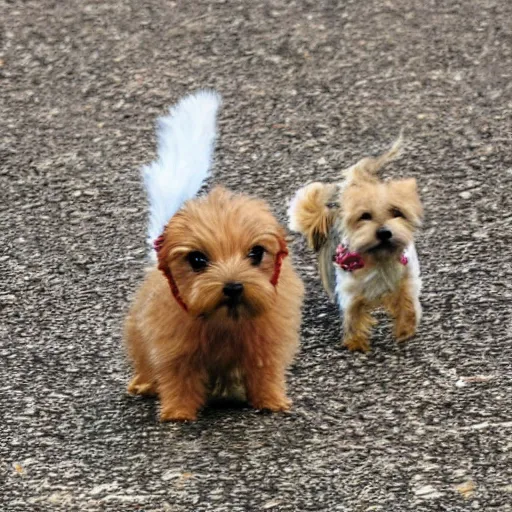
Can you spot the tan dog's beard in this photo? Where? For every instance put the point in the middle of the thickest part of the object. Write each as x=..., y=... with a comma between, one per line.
x=365, y=242
x=376, y=248
x=207, y=300
x=385, y=249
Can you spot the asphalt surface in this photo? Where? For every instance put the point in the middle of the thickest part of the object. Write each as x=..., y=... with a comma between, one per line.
x=309, y=87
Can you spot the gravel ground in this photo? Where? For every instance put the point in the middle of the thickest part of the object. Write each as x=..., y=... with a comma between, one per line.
x=309, y=87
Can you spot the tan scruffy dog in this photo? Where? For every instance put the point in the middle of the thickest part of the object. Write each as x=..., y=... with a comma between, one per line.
x=219, y=313
x=363, y=230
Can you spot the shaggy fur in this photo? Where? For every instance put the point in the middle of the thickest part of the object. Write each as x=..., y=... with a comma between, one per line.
x=352, y=212
x=188, y=337
x=214, y=347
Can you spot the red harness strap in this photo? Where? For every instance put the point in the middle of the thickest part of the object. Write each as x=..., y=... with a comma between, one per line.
x=164, y=268
x=280, y=256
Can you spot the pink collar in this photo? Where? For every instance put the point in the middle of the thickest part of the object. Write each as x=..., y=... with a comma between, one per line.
x=350, y=261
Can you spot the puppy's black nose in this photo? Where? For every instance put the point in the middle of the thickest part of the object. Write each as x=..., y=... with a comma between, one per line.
x=233, y=290
x=384, y=234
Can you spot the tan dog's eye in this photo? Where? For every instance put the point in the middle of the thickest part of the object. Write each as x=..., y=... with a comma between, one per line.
x=197, y=260
x=397, y=213
x=256, y=254
x=366, y=216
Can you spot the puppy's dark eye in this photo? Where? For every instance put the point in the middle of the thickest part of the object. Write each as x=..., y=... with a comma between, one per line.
x=198, y=261
x=397, y=213
x=256, y=254
x=366, y=216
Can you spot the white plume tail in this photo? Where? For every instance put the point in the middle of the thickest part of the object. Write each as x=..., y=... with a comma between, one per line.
x=186, y=139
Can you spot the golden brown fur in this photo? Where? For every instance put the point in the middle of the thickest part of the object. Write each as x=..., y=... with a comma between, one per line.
x=382, y=200
x=185, y=356
x=314, y=217
x=355, y=211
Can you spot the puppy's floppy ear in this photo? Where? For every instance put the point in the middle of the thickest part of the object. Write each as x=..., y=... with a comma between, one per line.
x=312, y=212
x=406, y=191
x=280, y=255
x=161, y=251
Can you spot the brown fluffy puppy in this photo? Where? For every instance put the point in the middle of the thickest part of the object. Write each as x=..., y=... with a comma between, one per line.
x=363, y=231
x=220, y=312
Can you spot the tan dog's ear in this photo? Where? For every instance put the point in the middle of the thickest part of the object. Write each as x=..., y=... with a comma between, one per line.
x=312, y=212
x=281, y=240
x=408, y=186
x=405, y=193
x=280, y=255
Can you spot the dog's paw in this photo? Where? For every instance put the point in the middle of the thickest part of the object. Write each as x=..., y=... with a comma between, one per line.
x=178, y=415
x=404, y=333
x=405, y=329
x=356, y=343
x=279, y=404
x=136, y=387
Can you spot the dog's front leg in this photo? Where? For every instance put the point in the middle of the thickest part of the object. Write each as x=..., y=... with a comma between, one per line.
x=357, y=325
x=182, y=390
x=265, y=385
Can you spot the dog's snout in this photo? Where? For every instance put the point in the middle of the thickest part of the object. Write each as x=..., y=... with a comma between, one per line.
x=233, y=290
x=384, y=234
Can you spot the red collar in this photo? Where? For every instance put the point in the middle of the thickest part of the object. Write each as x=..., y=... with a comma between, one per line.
x=164, y=268
x=350, y=261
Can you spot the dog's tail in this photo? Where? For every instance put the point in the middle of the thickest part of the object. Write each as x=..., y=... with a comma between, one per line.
x=367, y=168
x=312, y=212
x=186, y=139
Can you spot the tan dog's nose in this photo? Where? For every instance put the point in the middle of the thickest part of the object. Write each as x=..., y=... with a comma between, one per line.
x=233, y=290
x=384, y=234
